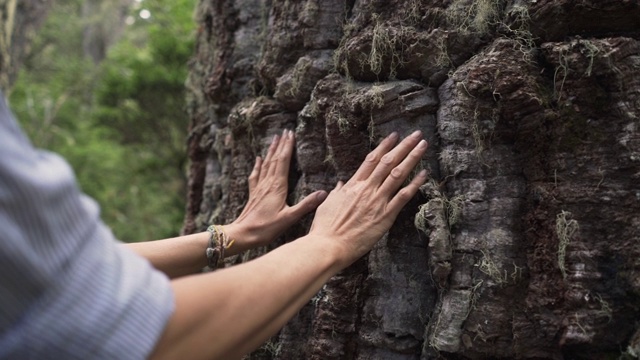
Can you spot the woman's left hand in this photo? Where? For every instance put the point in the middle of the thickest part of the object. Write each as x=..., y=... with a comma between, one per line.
x=267, y=214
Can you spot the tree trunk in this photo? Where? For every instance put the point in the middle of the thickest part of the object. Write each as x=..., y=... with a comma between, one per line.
x=19, y=19
x=525, y=244
x=104, y=25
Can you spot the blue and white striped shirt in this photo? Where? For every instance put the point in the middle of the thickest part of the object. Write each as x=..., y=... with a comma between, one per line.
x=68, y=290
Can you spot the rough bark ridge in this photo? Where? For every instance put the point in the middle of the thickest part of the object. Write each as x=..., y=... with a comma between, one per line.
x=524, y=245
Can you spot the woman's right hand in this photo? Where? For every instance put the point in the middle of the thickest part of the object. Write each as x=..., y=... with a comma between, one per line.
x=245, y=305
x=355, y=215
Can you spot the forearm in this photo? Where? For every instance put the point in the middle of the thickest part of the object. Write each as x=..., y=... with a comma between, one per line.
x=185, y=255
x=226, y=314
x=175, y=257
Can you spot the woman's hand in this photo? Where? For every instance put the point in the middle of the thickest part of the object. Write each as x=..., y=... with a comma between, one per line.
x=355, y=215
x=267, y=214
x=277, y=285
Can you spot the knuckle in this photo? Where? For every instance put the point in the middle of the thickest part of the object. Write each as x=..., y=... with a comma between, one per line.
x=397, y=173
x=404, y=194
x=372, y=157
x=416, y=154
x=388, y=159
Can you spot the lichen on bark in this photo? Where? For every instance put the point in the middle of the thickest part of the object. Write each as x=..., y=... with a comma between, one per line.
x=531, y=110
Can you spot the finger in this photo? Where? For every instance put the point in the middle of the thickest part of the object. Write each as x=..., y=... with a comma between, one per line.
x=406, y=193
x=374, y=156
x=394, y=157
x=277, y=154
x=339, y=185
x=284, y=158
x=400, y=173
x=255, y=174
x=267, y=159
x=308, y=204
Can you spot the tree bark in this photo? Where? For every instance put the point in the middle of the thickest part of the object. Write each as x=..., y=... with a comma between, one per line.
x=18, y=23
x=525, y=244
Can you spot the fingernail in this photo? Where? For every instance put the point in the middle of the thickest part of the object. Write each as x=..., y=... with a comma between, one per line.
x=393, y=136
x=290, y=134
x=275, y=138
x=422, y=145
x=416, y=134
x=423, y=173
x=322, y=195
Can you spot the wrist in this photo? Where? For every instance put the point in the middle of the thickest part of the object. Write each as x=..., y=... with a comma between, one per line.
x=242, y=237
x=329, y=250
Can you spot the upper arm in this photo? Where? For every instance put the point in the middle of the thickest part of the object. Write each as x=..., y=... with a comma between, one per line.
x=68, y=290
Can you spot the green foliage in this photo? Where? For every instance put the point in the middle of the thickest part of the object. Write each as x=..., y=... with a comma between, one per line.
x=121, y=123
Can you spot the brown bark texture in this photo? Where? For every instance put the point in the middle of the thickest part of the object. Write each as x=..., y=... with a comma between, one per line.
x=19, y=19
x=526, y=241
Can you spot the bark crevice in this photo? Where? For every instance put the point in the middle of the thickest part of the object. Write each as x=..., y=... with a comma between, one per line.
x=531, y=112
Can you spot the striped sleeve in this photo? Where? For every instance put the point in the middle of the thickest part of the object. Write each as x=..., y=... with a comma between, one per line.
x=68, y=290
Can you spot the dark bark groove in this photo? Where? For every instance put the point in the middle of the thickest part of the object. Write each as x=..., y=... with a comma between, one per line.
x=525, y=244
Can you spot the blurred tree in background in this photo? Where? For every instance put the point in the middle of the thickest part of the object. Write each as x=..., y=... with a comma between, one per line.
x=104, y=87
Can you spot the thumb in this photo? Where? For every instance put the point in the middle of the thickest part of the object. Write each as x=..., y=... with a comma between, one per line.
x=309, y=203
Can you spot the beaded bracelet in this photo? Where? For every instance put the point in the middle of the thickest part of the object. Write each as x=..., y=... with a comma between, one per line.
x=218, y=243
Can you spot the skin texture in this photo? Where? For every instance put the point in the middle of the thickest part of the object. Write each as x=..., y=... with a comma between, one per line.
x=230, y=312
x=265, y=217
